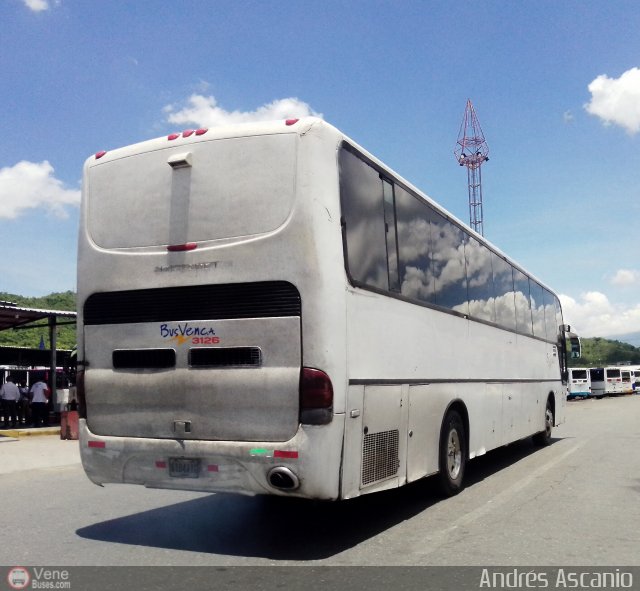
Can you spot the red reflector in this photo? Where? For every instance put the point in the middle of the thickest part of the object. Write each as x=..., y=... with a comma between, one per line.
x=292, y=121
x=99, y=444
x=161, y=464
x=188, y=132
x=201, y=131
x=182, y=247
x=212, y=468
x=100, y=154
x=291, y=455
x=173, y=136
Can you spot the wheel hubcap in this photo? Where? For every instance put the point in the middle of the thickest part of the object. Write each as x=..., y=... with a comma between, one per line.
x=454, y=454
x=549, y=421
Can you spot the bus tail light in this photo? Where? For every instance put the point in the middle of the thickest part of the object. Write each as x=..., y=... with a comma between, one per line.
x=82, y=401
x=316, y=397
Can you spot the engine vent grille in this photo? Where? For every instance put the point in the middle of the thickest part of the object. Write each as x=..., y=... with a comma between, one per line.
x=266, y=299
x=380, y=456
x=225, y=357
x=144, y=358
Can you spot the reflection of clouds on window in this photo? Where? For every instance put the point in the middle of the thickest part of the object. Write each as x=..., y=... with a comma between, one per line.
x=480, y=281
x=448, y=265
x=483, y=309
x=505, y=312
x=437, y=262
x=362, y=208
x=523, y=313
x=416, y=280
x=415, y=240
x=550, y=319
x=415, y=284
x=523, y=306
x=503, y=289
x=537, y=310
x=479, y=272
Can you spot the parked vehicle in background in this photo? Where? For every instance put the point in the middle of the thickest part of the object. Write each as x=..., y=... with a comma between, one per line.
x=613, y=381
x=596, y=375
x=579, y=382
x=628, y=380
x=636, y=380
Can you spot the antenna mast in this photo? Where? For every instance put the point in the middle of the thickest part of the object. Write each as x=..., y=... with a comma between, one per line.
x=471, y=151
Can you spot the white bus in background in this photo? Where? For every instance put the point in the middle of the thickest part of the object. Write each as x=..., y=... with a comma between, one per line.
x=579, y=382
x=628, y=380
x=617, y=381
x=596, y=376
x=636, y=379
x=269, y=309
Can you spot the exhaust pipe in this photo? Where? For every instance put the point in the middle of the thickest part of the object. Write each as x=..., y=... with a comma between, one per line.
x=283, y=478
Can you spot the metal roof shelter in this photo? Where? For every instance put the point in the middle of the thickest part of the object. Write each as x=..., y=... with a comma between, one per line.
x=14, y=316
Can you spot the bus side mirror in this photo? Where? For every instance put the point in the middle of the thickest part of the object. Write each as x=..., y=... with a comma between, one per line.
x=576, y=349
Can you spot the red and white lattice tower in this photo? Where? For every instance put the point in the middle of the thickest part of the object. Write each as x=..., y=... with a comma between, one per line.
x=472, y=151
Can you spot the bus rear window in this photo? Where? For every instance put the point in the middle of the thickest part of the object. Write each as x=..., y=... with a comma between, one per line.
x=234, y=187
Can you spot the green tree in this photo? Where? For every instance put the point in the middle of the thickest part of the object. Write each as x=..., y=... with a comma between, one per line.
x=66, y=335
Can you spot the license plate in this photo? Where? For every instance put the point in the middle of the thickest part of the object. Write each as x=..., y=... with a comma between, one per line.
x=184, y=467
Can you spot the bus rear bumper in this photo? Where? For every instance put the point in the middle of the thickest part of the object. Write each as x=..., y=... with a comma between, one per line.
x=217, y=466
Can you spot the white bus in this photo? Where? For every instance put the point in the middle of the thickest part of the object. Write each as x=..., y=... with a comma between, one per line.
x=636, y=379
x=614, y=383
x=579, y=382
x=628, y=380
x=269, y=309
x=596, y=375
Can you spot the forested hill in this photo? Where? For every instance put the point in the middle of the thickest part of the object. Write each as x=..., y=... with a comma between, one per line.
x=597, y=352
x=31, y=337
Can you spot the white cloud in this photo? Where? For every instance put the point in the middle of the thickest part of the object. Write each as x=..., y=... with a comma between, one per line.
x=626, y=277
x=36, y=5
x=595, y=316
x=29, y=185
x=617, y=100
x=204, y=111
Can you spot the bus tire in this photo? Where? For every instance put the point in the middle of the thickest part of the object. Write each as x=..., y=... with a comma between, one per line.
x=543, y=438
x=452, y=454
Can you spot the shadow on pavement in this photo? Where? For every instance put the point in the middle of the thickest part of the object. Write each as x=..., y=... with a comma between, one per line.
x=280, y=528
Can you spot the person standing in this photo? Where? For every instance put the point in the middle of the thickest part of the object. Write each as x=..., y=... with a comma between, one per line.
x=10, y=395
x=24, y=410
x=39, y=403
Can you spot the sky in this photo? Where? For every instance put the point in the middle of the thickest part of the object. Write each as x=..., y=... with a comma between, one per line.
x=555, y=86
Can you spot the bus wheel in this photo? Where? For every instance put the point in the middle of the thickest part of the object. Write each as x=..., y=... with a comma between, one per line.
x=453, y=454
x=544, y=437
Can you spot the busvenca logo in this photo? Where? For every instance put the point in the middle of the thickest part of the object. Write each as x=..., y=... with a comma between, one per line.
x=186, y=333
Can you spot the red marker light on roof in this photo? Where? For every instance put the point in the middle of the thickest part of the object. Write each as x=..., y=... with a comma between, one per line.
x=201, y=131
x=100, y=154
x=292, y=121
x=173, y=136
x=97, y=444
x=188, y=132
x=182, y=247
